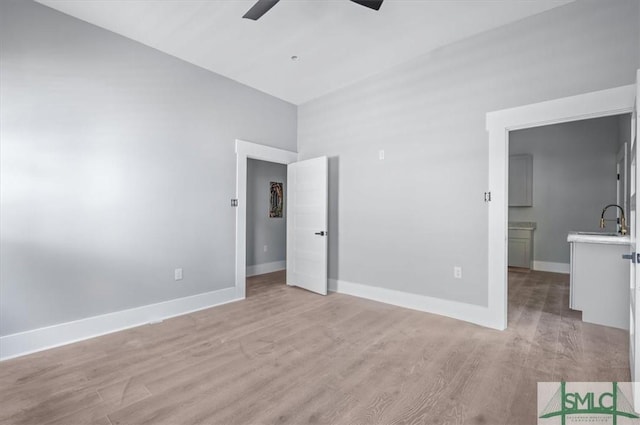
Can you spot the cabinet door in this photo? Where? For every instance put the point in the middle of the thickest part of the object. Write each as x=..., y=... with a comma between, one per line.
x=520, y=180
x=519, y=255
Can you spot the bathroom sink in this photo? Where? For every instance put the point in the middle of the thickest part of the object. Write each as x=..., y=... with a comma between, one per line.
x=609, y=238
x=598, y=233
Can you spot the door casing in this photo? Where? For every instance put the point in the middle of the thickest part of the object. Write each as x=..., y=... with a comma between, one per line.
x=248, y=150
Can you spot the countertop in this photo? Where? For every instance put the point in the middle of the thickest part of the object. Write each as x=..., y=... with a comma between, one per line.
x=602, y=239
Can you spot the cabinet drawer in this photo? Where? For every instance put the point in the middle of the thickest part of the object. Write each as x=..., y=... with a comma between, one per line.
x=519, y=234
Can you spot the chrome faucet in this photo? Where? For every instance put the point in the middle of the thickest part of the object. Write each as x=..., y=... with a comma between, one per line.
x=623, y=222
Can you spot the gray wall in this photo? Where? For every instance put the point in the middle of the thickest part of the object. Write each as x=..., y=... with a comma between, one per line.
x=404, y=222
x=574, y=177
x=261, y=229
x=117, y=165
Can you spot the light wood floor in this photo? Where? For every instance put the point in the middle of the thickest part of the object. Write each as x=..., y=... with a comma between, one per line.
x=287, y=356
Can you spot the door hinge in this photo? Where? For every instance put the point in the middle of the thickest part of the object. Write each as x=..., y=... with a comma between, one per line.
x=234, y=202
x=618, y=177
x=487, y=197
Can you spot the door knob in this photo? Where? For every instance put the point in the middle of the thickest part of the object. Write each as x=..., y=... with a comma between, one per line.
x=321, y=233
x=634, y=257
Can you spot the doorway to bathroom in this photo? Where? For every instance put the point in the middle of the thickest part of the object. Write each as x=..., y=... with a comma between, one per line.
x=561, y=178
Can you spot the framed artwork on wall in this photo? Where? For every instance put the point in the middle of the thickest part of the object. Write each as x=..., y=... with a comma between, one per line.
x=276, y=201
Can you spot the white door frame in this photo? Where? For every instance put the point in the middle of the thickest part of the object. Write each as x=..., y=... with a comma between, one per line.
x=622, y=182
x=244, y=151
x=602, y=103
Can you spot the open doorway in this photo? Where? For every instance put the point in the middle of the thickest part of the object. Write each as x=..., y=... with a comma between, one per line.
x=615, y=101
x=307, y=208
x=266, y=225
x=561, y=177
x=246, y=151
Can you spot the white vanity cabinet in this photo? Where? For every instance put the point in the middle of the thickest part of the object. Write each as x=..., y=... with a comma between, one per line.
x=521, y=244
x=599, y=281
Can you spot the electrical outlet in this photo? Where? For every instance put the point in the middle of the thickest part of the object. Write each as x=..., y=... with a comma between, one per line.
x=266, y=248
x=177, y=274
x=381, y=154
x=457, y=272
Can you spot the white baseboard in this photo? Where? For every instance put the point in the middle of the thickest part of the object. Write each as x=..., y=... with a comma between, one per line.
x=477, y=314
x=266, y=268
x=23, y=343
x=547, y=266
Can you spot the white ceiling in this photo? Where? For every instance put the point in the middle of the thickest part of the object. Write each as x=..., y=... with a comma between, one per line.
x=338, y=42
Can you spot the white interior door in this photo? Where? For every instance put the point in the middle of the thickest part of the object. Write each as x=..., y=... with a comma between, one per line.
x=307, y=235
x=634, y=358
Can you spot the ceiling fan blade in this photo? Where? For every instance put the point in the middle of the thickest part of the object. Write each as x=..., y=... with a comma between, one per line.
x=259, y=9
x=371, y=4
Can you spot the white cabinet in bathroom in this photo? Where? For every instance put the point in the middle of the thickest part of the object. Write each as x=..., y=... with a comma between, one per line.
x=521, y=244
x=599, y=282
x=520, y=180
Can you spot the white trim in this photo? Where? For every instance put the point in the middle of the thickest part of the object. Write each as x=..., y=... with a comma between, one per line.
x=468, y=312
x=244, y=151
x=263, y=268
x=622, y=184
x=28, y=342
x=590, y=105
x=548, y=266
